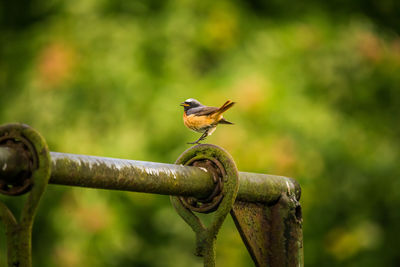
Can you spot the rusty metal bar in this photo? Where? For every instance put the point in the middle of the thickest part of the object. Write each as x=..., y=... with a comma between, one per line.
x=149, y=177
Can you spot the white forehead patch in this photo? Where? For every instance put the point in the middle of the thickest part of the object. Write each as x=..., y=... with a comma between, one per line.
x=190, y=100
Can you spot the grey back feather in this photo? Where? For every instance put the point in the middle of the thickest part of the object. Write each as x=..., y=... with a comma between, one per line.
x=202, y=110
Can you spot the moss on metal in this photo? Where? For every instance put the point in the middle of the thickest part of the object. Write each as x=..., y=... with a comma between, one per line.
x=149, y=177
x=206, y=236
x=267, y=213
x=129, y=175
x=19, y=232
x=257, y=187
x=272, y=233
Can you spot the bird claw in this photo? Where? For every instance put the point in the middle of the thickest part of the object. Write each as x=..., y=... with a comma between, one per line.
x=202, y=137
x=192, y=143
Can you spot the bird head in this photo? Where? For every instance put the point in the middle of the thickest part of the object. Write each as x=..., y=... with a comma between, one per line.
x=190, y=103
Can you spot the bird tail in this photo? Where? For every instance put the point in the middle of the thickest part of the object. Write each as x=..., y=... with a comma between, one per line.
x=227, y=105
x=223, y=121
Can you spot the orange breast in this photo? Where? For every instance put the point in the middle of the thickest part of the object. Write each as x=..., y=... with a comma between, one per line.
x=198, y=123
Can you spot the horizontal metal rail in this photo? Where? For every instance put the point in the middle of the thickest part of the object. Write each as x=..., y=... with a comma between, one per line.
x=148, y=177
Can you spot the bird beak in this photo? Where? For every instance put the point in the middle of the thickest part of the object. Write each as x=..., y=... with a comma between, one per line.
x=184, y=104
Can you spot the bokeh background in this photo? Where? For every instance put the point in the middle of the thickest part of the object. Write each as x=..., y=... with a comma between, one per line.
x=317, y=86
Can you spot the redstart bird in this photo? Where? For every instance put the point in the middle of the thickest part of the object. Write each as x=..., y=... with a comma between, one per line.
x=203, y=119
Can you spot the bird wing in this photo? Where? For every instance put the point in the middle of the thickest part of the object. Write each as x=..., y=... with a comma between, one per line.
x=202, y=111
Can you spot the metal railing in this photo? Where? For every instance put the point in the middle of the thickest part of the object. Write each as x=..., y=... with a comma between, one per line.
x=204, y=179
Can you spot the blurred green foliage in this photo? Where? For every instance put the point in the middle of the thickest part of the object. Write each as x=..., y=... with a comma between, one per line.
x=317, y=86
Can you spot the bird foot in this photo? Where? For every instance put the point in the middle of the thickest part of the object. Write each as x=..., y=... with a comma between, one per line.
x=192, y=143
x=202, y=137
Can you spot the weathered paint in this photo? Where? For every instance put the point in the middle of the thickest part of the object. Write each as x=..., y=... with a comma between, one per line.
x=266, y=211
x=257, y=187
x=206, y=235
x=151, y=177
x=129, y=175
x=272, y=233
x=19, y=232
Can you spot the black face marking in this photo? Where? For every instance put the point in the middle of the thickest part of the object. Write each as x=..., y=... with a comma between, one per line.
x=191, y=103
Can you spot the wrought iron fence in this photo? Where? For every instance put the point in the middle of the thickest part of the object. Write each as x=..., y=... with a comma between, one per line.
x=204, y=179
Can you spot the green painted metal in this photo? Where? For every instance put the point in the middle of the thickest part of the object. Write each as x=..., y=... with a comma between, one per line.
x=19, y=231
x=264, y=207
x=257, y=187
x=272, y=233
x=206, y=236
x=129, y=175
x=149, y=177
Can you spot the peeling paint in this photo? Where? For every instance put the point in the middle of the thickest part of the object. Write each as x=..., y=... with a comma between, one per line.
x=173, y=173
x=202, y=168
